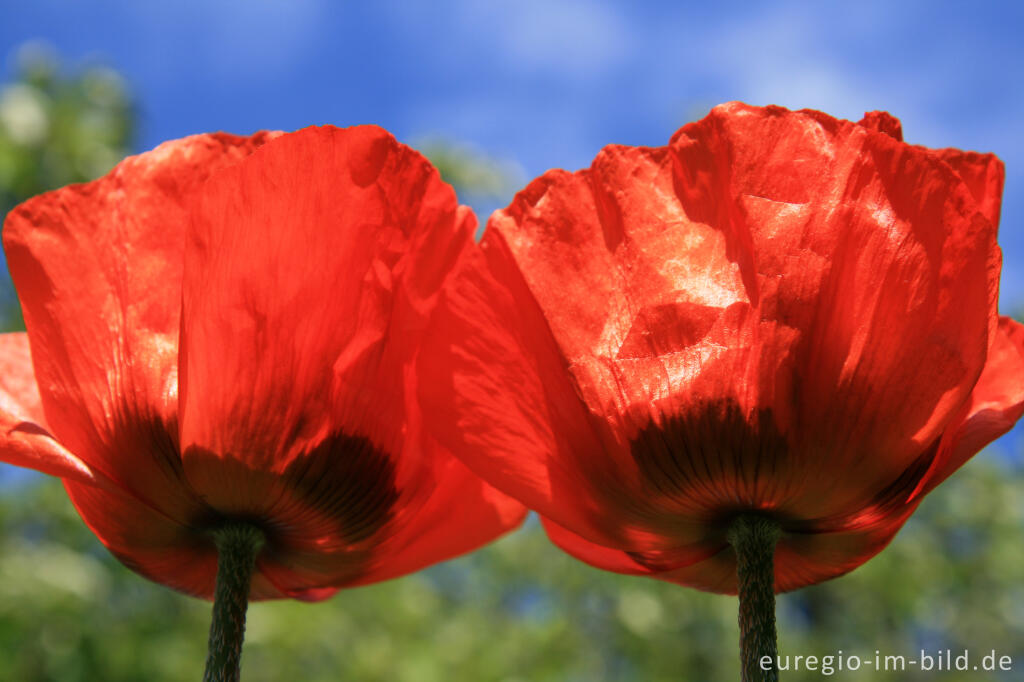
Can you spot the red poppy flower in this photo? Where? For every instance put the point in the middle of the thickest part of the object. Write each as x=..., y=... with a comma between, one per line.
x=779, y=314
x=225, y=329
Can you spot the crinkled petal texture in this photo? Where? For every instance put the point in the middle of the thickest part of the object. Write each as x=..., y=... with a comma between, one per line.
x=778, y=312
x=225, y=329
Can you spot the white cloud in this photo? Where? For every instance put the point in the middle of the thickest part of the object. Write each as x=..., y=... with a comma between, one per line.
x=236, y=38
x=580, y=39
x=572, y=36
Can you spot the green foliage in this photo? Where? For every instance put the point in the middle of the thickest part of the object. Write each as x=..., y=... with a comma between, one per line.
x=57, y=128
x=517, y=611
x=471, y=172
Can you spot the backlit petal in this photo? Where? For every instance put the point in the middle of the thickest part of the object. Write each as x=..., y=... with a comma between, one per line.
x=462, y=514
x=311, y=271
x=876, y=256
x=778, y=312
x=166, y=550
x=496, y=392
x=983, y=174
x=98, y=271
x=996, y=403
x=24, y=439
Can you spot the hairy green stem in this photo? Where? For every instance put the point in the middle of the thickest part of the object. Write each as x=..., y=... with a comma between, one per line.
x=753, y=540
x=237, y=546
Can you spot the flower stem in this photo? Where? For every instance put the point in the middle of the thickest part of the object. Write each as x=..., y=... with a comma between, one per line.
x=237, y=546
x=753, y=539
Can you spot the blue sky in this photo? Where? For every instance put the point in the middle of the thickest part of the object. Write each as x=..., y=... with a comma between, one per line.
x=546, y=83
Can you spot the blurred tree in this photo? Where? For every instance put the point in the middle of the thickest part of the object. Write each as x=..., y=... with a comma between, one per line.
x=519, y=610
x=57, y=127
x=474, y=174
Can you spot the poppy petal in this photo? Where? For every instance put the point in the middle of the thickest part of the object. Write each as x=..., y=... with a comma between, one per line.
x=496, y=393
x=779, y=312
x=24, y=439
x=598, y=556
x=153, y=544
x=984, y=175
x=838, y=226
x=883, y=122
x=801, y=559
x=98, y=271
x=462, y=514
x=19, y=393
x=995, y=405
x=777, y=260
x=311, y=271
